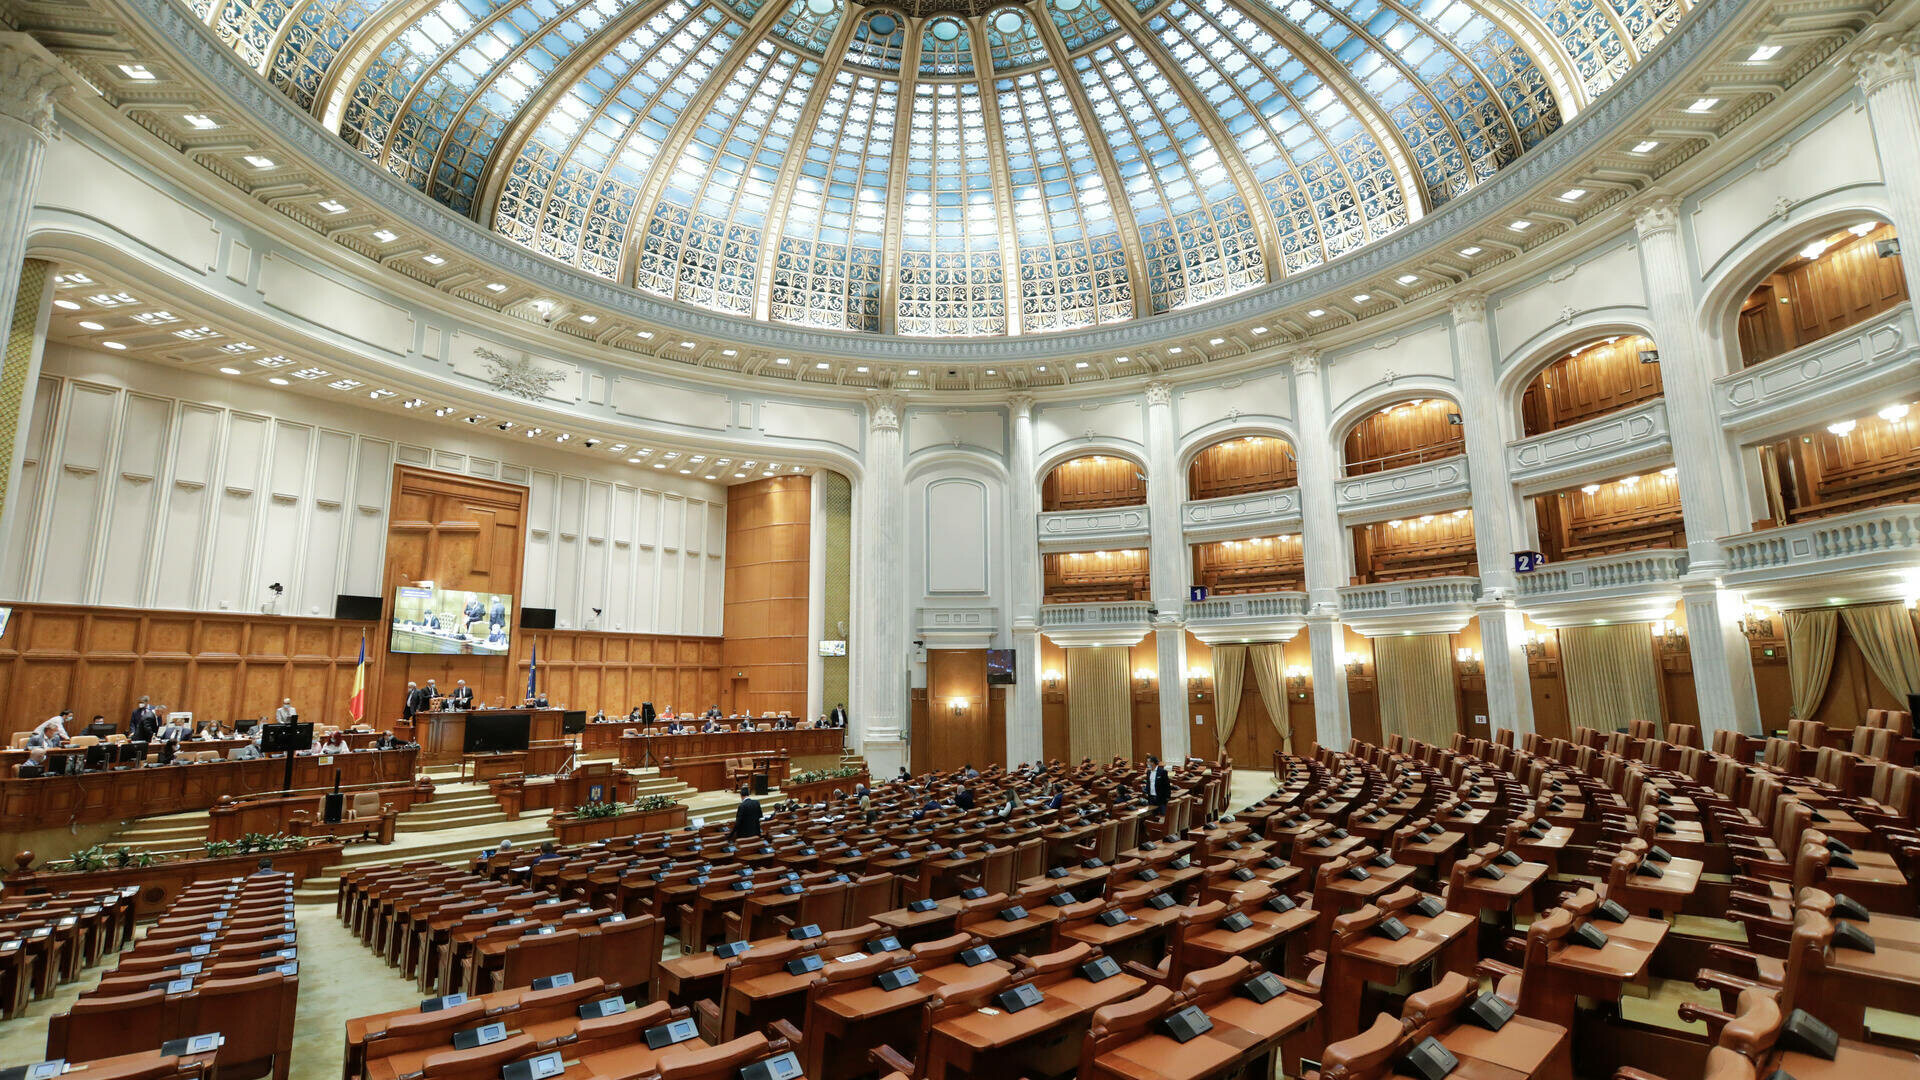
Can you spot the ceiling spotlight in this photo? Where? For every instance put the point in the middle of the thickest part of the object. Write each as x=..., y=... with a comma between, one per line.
x=1589, y=489
x=114, y=345
x=1841, y=428
x=1703, y=105
x=1407, y=279
x=259, y=161
x=1470, y=252
x=1361, y=298
x=1763, y=54
x=385, y=236
x=1520, y=225
x=89, y=324
x=433, y=260
x=333, y=206
x=1573, y=194
x=1316, y=313
x=589, y=319
x=66, y=305
x=1645, y=146
x=200, y=121
x=1893, y=414
x=229, y=371
x=277, y=381
x=496, y=287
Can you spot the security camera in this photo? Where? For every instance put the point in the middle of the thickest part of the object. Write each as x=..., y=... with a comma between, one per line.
x=276, y=588
x=596, y=611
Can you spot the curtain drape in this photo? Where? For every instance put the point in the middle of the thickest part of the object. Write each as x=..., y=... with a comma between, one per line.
x=1270, y=671
x=1229, y=678
x=1099, y=704
x=1810, y=640
x=1885, y=634
x=1416, y=687
x=1611, y=676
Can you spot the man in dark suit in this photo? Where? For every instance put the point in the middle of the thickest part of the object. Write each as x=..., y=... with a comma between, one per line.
x=462, y=695
x=838, y=717
x=471, y=614
x=144, y=722
x=746, y=820
x=418, y=701
x=964, y=800
x=497, y=613
x=1156, y=784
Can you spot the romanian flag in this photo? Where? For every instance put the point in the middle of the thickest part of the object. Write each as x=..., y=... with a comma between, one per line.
x=357, y=702
x=533, y=673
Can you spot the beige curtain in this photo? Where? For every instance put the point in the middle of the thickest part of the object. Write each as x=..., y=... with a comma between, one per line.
x=1611, y=677
x=1229, y=678
x=1099, y=704
x=1416, y=687
x=1885, y=634
x=1270, y=671
x=1810, y=638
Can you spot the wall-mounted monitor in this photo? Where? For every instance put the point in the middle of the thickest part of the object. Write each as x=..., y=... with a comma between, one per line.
x=460, y=622
x=496, y=732
x=1000, y=669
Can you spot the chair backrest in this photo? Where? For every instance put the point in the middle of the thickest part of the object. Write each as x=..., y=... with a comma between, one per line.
x=1365, y=1056
x=869, y=896
x=536, y=956
x=1755, y=1026
x=366, y=804
x=1683, y=735
x=623, y=953
x=254, y=1014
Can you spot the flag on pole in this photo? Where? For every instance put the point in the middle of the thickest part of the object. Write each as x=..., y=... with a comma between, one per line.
x=533, y=672
x=357, y=702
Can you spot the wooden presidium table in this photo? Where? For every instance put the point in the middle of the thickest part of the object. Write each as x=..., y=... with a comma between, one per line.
x=443, y=735
x=638, y=751
x=123, y=794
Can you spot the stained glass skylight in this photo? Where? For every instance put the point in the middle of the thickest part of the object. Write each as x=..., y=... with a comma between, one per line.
x=979, y=169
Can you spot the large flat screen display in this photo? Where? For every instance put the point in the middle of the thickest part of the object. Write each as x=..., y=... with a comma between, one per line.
x=496, y=733
x=427, y=619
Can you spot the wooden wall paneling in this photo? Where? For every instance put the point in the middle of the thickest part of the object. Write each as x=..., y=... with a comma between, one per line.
x=1055, y=737
x=959, y=739
x=1363, y=699
x=1805, y=300
x=766, y=596
x=1090, y=482
x=1144, y=655
x=1078, y=577
x=1260, y=564
x=1240, y=465
x=1617, y=517
x=1403, y=434
x=1430, y=545
x=1594, y=379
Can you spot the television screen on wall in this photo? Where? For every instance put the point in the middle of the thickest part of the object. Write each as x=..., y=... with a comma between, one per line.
x=1000, y=667
x=460, y=622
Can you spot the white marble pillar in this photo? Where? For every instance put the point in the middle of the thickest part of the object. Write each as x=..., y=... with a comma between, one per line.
x=1885, y=71
x=1722, y=664
x=30, y=82
x=1324, y=545
x=1496, y=518
x=881, y=645
x=1170, y=567
x=1023, y=513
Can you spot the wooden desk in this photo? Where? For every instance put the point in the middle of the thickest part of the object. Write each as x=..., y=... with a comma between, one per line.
x=443, y=734
x=124, y=794
x=639, y=751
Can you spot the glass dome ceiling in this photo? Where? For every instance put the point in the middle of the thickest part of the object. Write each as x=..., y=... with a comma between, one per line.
x=942, y=167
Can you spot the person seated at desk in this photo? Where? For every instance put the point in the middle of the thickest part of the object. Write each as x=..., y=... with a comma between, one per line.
x=902, y=777
x=335, y=742
x=547, y=851
x=933, y=804
x=1056, y=796
x=387, y=740
x=713, y=711
x=634, y=717
x=173, y=731
x=35, y=765
x=432, y=621
x=1005, y=813
x=286, y=713
x=249, y=751
x=53, y=730
x=710, y=727
x=746, y=723
x=472, y=613
x=497, y=635
x=674, y=728
x=970, y=772
x=462, y=696
x=964, y=800
x=214, y=729
x=783, y=723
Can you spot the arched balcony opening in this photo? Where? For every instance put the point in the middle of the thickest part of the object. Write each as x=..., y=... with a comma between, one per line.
x=1094, y=577
x=1593, y=379
x=1834, y=282
x=1262, y=564
x=1637, y=512
x=1868, y=459
x=1242, y=465
x=1405, y=433
x=1431, y=545
x=1094, y=482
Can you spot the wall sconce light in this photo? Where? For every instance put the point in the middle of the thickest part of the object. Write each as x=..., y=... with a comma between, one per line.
x=1669, y=635
x=1535, y=644
x=1470, y=660
x=1145, y=678
x=1051, y=679
x=958, y=705
x=1197, y=678
x=1299, y=678
x=1757, y=623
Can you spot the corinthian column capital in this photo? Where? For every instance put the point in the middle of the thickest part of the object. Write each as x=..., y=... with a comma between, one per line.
x=883, y=411
x=1660, y=214
x=1469, y=307
x=1159, y=393
x=1882, y=63
x=30, y=82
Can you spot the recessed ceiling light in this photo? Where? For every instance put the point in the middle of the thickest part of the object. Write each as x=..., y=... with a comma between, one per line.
x=686, y=344
x=781, y=360
x=277, y=381
x=432, y=260
x=1216, y=341
x=496, y=287
x=1764, y=53
x=633, y=461
x=1520, y=225
x=66, y=305
x=1175, y=351
x=333, y=206
x=589, y=319
x=1573, y=194
x=114, y=345
x=1259, y=330
x=686, y=472
x=1645, y=146
x=727, y=352
x=1701, y=105
x=739, y=476
x=200, y=121
x=659, y=464
x=229, y=371
x=1407, y=279
x=1471, y=250
x=1080, y=364
x=913, y=371
x=385, y=236
x=1361, y=298
x=137, y=72
x=258, y=161
x=1042, y=367
x=821, y=366
x=1316, y=313
x=89, y=324
x=862, y=370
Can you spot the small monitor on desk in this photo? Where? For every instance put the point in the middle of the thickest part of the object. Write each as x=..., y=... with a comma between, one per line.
x=283, y=738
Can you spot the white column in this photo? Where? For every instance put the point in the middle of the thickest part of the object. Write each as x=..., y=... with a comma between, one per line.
x=881, y=643
x=1170, y=567
x=816, y=597
x=1325, y=546
x=1496, y=518
x=1023, y=514
x=1722, y=664
x=30, y=81
x=1885, y=72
